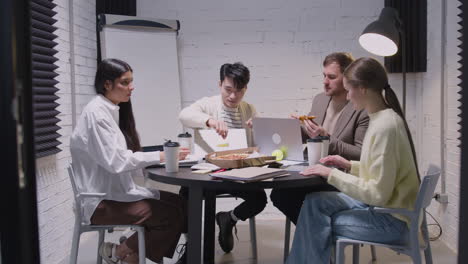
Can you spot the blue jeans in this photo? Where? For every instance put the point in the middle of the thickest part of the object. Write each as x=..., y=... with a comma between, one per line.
x=325, y=216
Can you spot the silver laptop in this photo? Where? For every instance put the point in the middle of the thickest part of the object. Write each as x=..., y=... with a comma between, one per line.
x=276, y=133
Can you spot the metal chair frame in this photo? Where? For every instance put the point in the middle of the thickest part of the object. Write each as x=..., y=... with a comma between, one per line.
x=287, y=237
x=81, y=227
x=413, y=247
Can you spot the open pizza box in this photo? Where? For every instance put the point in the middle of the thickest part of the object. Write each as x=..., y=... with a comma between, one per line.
x=238, y=158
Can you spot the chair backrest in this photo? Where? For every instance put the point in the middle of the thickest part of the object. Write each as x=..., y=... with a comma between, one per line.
x=427, y=187
x=73, y=184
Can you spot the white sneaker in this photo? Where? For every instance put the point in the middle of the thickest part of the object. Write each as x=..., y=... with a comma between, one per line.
x=107, y=252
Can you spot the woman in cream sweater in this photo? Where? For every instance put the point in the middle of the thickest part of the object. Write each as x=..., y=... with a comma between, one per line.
x=386, y=175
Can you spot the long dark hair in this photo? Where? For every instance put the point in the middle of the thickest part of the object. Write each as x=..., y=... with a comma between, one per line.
x=369, y=73
x=110, y=70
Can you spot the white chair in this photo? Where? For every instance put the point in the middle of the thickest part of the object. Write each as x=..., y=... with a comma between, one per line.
x=413, y=247
x=81, y=227
x=287, y=237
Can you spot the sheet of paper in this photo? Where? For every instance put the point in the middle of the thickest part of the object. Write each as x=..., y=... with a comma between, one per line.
x=296, y=168
x=250, y=174
x=236, y=139
x=205, y=166
x=191, y=158
x=201, y=171
x=290, y=162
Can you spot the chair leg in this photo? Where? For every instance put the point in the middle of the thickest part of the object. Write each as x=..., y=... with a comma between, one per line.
x=333, y=254
x=355, y=254
x=253, y=236
x=141, y=245
x=373, y=254
x=340, y=252
x=416, y=256
x=414, y=249
x=102, y=234
x=287, y=237
x=428, y=253
x=75, y=244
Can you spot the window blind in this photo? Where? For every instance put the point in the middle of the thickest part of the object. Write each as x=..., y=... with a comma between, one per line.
x=43, y=78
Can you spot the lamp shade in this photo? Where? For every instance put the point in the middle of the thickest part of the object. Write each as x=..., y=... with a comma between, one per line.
x=381, y=37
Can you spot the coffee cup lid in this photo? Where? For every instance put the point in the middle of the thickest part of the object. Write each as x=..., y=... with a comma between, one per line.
x=171, y=144
x=324, y=137
x=185, y=135
x=315, y=139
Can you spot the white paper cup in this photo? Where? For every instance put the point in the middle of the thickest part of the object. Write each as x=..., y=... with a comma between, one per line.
x=171, y=154
x=185, y=141
x=325, y=145
x=314, y=150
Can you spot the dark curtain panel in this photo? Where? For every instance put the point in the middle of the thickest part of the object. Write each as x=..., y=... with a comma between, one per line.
x=115, y=7
x=463, y=224
x=413, y=14
x=43, y=73
x=19, y=233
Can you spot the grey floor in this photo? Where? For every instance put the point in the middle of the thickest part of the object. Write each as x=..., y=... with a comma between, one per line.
x=270, y=235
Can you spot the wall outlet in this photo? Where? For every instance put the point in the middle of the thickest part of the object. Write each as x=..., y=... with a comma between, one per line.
x=441, y=198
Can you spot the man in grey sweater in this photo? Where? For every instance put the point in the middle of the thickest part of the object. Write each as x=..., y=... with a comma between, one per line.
x=336, y=118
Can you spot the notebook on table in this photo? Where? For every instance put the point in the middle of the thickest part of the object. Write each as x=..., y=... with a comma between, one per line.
x=189, y=161
x=250, y=174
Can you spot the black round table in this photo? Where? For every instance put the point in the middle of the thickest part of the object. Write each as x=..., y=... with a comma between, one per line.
x=203, y=186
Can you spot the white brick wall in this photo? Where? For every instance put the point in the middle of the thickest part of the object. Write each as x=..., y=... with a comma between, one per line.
x=430, y=89
x=284, y=42
x=54, y=193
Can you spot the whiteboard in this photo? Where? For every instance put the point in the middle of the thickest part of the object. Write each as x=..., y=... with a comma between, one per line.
x=152, y=53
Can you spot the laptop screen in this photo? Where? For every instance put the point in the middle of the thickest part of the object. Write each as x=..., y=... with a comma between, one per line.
x=278, y=133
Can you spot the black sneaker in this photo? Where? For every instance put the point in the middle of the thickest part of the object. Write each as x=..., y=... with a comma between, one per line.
x=225, y=223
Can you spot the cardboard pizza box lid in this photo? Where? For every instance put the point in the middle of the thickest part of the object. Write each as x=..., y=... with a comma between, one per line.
x=240, y=163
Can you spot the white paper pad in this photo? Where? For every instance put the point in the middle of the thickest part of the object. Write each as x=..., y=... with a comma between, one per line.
x=205, y=166
x=250, y=174
x=296, y=168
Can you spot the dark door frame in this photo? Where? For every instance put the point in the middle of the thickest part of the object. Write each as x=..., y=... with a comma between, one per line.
x=463, y=223
x=19, y=236
x=19, y=233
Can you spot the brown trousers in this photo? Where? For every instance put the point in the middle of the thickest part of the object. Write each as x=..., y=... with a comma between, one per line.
x=164, y=221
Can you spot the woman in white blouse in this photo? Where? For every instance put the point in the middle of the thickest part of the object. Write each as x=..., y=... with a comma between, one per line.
x=106, y=155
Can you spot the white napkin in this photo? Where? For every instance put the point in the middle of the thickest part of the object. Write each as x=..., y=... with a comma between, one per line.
x=205, y=166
